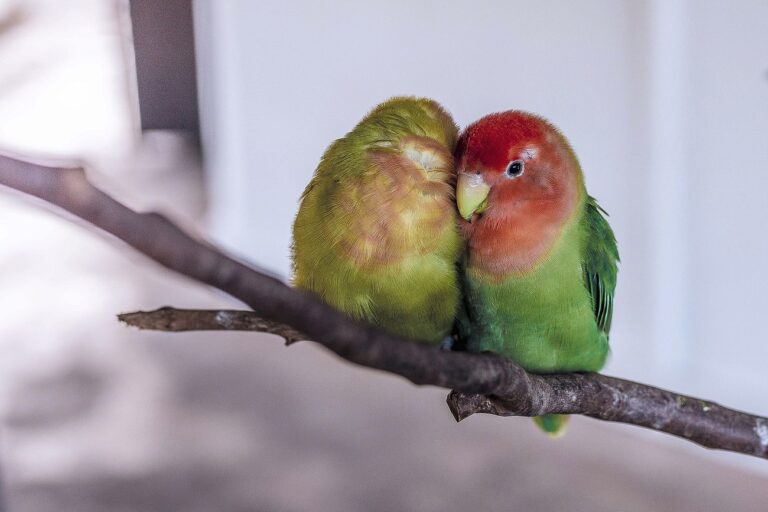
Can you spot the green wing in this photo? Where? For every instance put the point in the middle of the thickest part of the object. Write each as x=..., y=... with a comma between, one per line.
x=601, y=257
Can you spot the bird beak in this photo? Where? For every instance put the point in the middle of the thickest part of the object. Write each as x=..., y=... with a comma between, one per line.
x=471, y=194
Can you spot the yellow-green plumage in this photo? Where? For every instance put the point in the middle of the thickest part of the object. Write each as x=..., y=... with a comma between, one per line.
x=376, y=233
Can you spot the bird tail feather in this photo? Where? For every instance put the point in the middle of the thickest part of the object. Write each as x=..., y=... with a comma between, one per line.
x=553, y=424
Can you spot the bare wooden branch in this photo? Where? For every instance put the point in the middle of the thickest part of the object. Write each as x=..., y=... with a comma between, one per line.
x=184, y=320
x=611, y=399
x=481, y=382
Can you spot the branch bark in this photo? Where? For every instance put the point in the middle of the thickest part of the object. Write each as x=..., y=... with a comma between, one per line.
x=482, y=383
x=184, y=320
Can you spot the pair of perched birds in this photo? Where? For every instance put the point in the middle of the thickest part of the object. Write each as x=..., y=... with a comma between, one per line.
x=489, y=235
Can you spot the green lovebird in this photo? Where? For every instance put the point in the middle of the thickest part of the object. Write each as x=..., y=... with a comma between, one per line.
x=540, y=266
x=377, y=234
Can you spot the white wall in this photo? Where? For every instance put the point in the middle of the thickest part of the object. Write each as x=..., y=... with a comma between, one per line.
x=664, y=101
x=728, y=218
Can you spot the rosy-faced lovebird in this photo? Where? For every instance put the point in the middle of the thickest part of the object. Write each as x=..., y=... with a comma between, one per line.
x=540, y=267
x=376, y=235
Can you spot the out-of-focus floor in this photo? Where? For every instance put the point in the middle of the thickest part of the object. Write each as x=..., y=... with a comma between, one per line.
x=98, y=417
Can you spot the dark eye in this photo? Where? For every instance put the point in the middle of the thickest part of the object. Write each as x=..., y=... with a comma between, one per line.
x=515, y=168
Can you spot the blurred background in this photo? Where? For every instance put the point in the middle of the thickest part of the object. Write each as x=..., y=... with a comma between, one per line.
x=217, y=112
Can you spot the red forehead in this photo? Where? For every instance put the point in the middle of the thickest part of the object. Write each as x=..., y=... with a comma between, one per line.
x=489, y=140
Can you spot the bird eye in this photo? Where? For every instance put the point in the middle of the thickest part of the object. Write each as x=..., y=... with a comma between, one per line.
x=515, y=168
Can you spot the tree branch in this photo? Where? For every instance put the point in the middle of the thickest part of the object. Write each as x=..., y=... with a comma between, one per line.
x=183, y=320
x=482, y=383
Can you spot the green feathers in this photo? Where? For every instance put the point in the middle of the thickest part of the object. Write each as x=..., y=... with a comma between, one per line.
x=547, y=319
x=376, y=232
x=377, y=237
x=552, y=424
x=600, y=263
x=540, y=270
x=557, y=318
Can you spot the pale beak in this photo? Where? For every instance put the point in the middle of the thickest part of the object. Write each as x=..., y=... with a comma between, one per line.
x=471, y=194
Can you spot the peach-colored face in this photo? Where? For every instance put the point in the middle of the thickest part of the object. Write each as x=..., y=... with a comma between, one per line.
x=534, y=186
x=410, y=194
